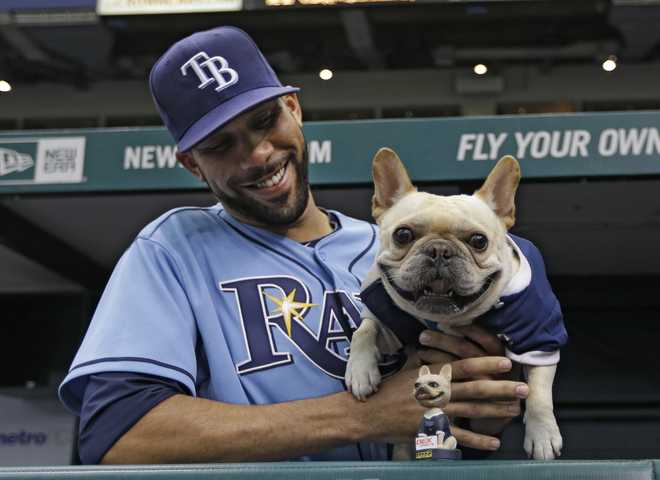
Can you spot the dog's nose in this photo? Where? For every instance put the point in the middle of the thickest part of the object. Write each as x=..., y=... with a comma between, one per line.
x=437, y=251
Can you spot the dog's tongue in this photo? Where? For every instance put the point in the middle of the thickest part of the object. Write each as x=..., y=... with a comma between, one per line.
x=441, y=286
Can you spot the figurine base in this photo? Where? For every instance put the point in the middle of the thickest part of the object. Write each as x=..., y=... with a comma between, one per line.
x=438, y=454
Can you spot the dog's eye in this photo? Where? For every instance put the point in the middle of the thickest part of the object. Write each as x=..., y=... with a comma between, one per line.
x=478, y=242
x=403, y=236
x=417, y=385
x=434, y=385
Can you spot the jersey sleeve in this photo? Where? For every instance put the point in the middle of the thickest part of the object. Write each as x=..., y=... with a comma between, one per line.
x=112, y=403
x=540, y=345
x=538, y=334
x=143, y=324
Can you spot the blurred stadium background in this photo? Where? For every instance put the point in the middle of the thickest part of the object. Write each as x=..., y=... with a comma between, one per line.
x=73, y=64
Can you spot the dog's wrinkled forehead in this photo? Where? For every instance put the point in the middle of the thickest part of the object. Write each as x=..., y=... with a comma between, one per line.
x=441, y=214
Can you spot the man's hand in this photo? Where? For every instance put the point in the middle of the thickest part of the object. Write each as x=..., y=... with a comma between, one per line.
x=392, y=414
x=477, y=342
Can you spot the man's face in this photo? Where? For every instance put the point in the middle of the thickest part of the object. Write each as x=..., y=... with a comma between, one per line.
x=256, y=165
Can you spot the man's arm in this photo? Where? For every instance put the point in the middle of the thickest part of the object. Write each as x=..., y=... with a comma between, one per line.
x=185, y=429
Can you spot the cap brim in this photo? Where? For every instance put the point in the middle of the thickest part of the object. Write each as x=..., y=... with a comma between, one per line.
x=227, y=111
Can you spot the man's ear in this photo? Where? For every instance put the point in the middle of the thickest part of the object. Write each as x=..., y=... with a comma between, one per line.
x=188, y=160
x=293, y=104
x=391, y=181
x=499, y=189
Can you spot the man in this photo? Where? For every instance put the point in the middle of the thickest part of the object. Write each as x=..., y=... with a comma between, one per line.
x=222, y=333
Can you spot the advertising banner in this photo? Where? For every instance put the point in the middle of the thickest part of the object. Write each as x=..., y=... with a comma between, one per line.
x=16, y=5
x=144, y=7
x=35, y=429
x=340, y=153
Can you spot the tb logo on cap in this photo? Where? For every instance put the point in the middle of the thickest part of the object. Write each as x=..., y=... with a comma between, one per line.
x=217, y=67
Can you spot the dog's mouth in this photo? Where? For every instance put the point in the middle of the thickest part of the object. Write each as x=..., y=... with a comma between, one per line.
x=441, y=292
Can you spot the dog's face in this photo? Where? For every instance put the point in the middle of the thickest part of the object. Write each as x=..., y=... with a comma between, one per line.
x=433, y=390
x=444, y=258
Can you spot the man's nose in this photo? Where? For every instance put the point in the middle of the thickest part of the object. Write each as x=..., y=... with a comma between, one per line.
x=257, y=152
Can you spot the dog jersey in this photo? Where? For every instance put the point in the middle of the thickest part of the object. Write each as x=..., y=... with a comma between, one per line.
x=527, y=317
x=232, y=312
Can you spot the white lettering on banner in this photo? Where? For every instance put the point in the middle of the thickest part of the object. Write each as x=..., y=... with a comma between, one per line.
x=523, y=141
x=320, y=152
x=478, y=146
x=630, y=141
x=540, y=145
x=563, y=140
x=476, y=143
x=464, y=145
x=147, y=157
x=653, y=144
x=495, y=142
x=555, y=144
x=607, y=143
x=581, y=139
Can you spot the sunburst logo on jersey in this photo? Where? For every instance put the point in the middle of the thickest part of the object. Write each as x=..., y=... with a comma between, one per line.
x=288, y=307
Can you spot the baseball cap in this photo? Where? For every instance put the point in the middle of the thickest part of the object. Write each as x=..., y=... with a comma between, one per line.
x=209, y=78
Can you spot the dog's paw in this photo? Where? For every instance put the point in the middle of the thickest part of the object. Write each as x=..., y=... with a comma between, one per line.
x=542, y=438
x=362, y=377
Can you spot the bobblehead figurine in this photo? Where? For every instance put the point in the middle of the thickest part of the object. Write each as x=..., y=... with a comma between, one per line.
x=434, y=440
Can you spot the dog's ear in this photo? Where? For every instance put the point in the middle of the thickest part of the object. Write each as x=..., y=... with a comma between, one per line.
x=499, y=189
x=445, y=371
x=391, y=181
x=424, y=370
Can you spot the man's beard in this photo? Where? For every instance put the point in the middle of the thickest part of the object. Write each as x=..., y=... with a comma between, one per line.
x=277, y=212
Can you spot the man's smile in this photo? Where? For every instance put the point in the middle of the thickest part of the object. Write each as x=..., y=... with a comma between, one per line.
x=274, y=183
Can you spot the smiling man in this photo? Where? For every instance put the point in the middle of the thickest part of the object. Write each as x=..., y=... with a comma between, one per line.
x=223, y=332
x=261, y=181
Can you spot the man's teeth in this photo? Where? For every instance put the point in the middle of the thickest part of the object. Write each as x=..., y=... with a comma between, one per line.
x=274, y=180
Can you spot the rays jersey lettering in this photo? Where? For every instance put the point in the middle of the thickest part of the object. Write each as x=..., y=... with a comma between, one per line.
x=284, y=303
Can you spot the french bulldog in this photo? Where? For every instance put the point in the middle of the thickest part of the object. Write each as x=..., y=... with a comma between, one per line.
x=448, y=261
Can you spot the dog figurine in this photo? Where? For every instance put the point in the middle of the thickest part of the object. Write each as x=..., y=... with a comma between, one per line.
x=448, y=261
x=433, y=391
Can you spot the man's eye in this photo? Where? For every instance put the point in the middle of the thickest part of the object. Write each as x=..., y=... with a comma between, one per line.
x=267, y=121
x=219, y=147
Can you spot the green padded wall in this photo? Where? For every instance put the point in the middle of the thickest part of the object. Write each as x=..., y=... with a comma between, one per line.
x=466, y=470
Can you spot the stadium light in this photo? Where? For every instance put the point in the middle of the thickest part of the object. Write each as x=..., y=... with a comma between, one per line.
x=5, y=86
x=480, y=69
x=326, y=74
x=610, y=63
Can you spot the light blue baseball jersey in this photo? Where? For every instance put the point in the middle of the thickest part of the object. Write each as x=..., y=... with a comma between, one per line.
x=233, y=312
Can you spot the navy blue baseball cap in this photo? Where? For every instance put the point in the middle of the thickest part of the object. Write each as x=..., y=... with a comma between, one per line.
x=209, y=78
